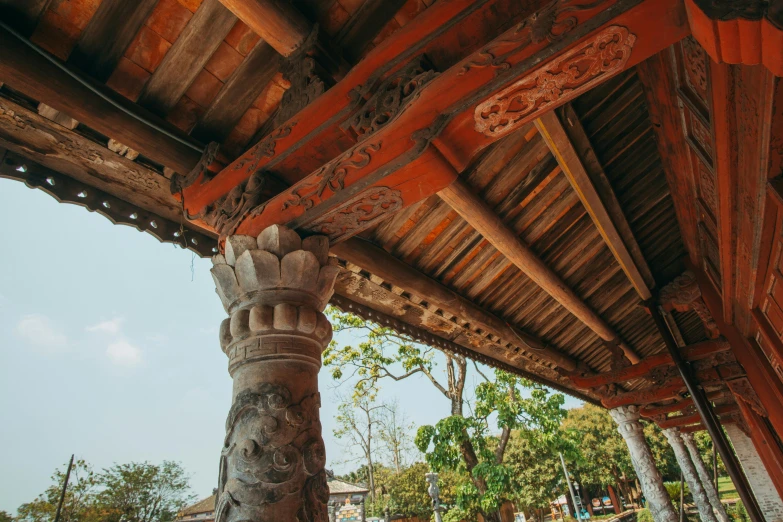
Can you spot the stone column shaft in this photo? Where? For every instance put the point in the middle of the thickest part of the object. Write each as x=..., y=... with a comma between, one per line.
x=274, y=289
x=705, y=477
x=690, y=474
x=627, y=419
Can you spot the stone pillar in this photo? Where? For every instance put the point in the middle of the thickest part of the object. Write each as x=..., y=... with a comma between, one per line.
x=274, y=288
x=704, y=476
x=627, y=419
x=760, y=482
x=690, y=474
x=434, y=491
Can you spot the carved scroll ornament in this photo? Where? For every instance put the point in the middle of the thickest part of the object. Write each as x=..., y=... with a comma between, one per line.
x=561, y=80
x=225, y=214
x=331, y=176
x=391, y=98
x=683, y=294
x=359, y=213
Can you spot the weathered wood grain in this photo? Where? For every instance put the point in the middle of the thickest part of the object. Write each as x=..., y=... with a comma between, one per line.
x=108, y=34
x=184, y=61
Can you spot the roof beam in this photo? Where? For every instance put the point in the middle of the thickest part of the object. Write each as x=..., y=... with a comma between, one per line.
x=25, y=69
x=184, y=61
x=364, y=25
x=653, y=411
x=23, y=15
x=572, y=149
x=477, y=213
x=107, y=36
x=378, y=262
x=279, y=23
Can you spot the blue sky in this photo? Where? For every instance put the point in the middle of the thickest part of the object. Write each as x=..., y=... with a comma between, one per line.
x=108, y=349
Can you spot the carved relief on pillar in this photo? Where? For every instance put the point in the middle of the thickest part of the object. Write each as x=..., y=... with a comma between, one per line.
x=274, y=288
x=563, y=79
x=683, y=294
x=632, y=431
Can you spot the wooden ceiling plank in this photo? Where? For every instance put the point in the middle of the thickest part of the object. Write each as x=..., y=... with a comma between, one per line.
x=596, y=194
x=107, y=36
x=462, y=199
x=187, y=57
x=237, y=95
x=26, y=70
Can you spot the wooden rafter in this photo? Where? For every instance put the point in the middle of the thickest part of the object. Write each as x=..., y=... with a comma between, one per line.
x=280, y=24
x=571, y=147
x=684, y=420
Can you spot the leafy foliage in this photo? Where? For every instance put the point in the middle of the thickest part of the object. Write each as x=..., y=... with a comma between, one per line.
x=644, y=515
x=144, y=492
x=466, y=443
x=79, y=504
x=135, y=492
x=5, y=516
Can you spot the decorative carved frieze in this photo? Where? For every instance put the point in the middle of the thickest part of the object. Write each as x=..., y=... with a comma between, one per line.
x=391, y=98
x=332, y=176
x=683, y=294
x=263, y=149
x=68, y=190
x=552, y=22
x=179, y=182
x=742, y=390
x=306, y=78
x=359, y=213
x=274, y=288
x=225, y=214
x=558, y=81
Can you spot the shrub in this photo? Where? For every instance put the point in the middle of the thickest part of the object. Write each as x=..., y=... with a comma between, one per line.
x=738, y=513
x=644, y=515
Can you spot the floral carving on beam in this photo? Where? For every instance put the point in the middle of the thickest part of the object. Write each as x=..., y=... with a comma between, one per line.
x=391, y=98
x=742, y=390
x=331, y=176
x=357, y=214
x=561, y=80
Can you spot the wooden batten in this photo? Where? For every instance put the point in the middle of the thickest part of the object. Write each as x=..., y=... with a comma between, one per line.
x=280, y=24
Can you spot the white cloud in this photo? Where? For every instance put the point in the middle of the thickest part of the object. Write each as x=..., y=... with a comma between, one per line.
x=123, y=353
x=110, y=327
x=39, y=331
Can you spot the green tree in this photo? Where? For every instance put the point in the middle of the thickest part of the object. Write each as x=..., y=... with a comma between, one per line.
x=394, y=433
x=537, y=476
x=5, y=516
x=79, y=504
x=408, y=495
x=466, y=443
x=144, y=492
x=357, y=421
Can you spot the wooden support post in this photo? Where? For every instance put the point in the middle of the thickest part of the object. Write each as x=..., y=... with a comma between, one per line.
x=31, y=71
x=477, y=213
x=279, y=23
x=708, y=417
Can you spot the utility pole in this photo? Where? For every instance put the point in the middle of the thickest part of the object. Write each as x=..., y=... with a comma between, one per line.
x=577, y=515
x=682, y=496
x=65, y=487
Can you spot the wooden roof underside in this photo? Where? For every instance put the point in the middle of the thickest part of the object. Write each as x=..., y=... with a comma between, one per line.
x=203, y=72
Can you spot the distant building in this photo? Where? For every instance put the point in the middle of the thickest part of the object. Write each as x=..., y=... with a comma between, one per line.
x=202, y=511
x=339, y=492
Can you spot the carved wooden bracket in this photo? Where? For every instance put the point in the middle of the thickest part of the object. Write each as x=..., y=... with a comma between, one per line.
x=742, y=390
x=683, y=294
x=749, y=32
